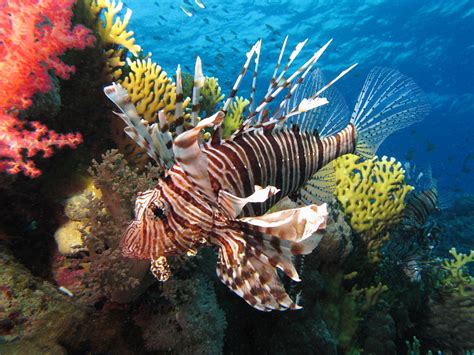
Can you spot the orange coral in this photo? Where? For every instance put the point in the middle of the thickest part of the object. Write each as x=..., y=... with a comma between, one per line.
x=33, y=33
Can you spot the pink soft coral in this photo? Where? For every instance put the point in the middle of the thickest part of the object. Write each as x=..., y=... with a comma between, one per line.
x=33, y=33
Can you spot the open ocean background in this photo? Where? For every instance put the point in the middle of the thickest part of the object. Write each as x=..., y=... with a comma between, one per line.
x=430, y=41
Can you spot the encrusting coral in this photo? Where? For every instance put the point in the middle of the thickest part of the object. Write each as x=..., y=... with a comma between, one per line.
x=372, y=194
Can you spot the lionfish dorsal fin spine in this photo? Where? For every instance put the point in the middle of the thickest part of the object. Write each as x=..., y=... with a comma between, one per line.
x=154, y=140
x=192, y=160
x=198, y=83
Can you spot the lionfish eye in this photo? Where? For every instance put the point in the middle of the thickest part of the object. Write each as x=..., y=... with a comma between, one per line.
x=158, y=211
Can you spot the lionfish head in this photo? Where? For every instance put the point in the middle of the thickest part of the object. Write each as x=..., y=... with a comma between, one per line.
x=145, y=237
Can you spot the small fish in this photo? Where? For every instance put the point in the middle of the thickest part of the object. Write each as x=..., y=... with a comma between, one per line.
x=157, y=3
x=186, y=11
x=209, y=39
x=162, y=17
x=430, y=146
x=66, y=291
x=200, y=4
x=206, y=20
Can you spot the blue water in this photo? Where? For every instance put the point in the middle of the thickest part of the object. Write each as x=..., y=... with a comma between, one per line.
x=430, y=41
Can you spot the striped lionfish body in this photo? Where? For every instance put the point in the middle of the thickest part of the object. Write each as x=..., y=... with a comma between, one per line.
x=216, y=193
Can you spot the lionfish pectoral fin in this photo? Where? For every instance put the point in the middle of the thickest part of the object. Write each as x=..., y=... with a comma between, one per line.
x=321, y=187
x=192, y=160
x=233, y=205
x=249, y=257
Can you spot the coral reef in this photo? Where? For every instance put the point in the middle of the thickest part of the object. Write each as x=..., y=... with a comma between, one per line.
x=234, y=117
x=111, y=31
x=210, y=96
x=34, y=316
x=372, y=193
x=103, y=273
x=30, y=48
x=151, y=90
x=184, y=317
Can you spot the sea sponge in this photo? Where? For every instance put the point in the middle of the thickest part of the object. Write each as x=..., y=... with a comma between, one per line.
x=69, y=238
x=372, y=193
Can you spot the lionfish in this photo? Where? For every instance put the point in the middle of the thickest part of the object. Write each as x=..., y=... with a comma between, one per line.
x=216, y=192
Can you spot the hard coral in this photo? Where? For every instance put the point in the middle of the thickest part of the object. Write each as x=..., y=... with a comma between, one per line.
x=33, y=34
x=372, y=193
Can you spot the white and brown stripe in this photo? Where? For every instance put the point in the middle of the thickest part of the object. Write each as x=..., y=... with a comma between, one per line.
x=281, y=158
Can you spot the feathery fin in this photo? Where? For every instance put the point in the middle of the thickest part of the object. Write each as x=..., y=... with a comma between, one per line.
x=389, y=101
x=320, y=188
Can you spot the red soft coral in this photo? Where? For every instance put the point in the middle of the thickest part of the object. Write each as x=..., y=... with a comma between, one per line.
x=33, y=33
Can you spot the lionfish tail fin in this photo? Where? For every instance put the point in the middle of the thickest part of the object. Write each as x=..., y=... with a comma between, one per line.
x=388, y=102
x=250, y=256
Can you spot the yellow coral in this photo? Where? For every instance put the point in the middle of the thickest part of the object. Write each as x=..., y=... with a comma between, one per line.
x=369, y=296
x=456, y=278
x=372, y=193
x=211, y=95
x=233, y=119
x=110, y=31
x=112, y=34
x=151, y=90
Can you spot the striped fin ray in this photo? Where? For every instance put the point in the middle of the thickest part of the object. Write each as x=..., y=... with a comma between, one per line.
x=235, y=88
x=155, y=138
x=286, y=82
x=273, y=81
x=255, y=73
x=326, y=119
x=320, y=188
x=255, y=281
x=277, y=88
x=314, y=101
x=248, y=261
x=192, y=160
x=178, y=113
x=389, y=101
x=198, y=83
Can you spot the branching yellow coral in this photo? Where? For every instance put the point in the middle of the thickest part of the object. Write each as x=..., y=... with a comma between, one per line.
x=369, y=296
x=211, y=95
x=372, y=193
x=456, y=276
x=112, y=34
x=233, y=119
x=151, y=90
x=110, y=31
